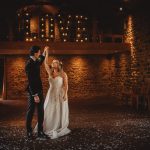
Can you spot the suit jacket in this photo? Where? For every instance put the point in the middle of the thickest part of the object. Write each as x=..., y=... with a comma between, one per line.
x=32, y=69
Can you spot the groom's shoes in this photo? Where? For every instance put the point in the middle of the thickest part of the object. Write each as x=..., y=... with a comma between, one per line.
x=42, y=136
x=30, y=136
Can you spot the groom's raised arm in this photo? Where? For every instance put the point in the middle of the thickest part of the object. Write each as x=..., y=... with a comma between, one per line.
x=42, y=57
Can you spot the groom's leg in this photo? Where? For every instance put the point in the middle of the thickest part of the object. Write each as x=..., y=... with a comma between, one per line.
x=40, y=112
x=30, y=112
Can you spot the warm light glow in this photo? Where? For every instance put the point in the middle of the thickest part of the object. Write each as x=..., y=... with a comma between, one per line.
x=59, y=15
x=42, y=30
x=27, y=39
x=34, y=28
x=69, y=16
x=65, y=40
x=86, y=39
x=42, y=19
x=78, y=21
x=67, y=28
x=52, y=36
x=31, y=39
x=76, y=40
x=68, y=22
x=62, y=28
x=34, y=37
x=81, y=16
x=42, y=35
x=51, y=19
x=27, y=26
x=130, y=35
x=60, y=21
x=27, y=20
x=52, y=25
x=130, y=38
x=47, y=27
x=81, y=40
x=47, y=40
x=78, y=35
x=27, y=14
x=83, y=29
x=46, y=15
x=77, y=16
x=52, y=30
x=86, y=18
x=42, y=24
x=27, y=33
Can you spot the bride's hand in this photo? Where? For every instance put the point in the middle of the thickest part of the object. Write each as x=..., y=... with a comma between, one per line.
x=46, y=49
x=65, y=97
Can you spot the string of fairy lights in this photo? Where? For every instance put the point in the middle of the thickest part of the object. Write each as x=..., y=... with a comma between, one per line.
x=70, y=27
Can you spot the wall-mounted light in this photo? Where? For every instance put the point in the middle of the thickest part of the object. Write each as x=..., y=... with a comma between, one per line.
x=83, y=29
x=31, y=39
x=121, y=9
x=78, y=35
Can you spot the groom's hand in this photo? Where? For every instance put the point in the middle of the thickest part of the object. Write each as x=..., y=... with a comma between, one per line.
x=36, y=99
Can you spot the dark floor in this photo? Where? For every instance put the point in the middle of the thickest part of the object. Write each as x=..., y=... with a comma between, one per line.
x=96, y=124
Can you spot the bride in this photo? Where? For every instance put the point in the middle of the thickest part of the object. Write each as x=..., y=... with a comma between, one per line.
x=56, y=111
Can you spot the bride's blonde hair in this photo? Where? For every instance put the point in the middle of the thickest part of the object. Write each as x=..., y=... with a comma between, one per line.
x=60, y=66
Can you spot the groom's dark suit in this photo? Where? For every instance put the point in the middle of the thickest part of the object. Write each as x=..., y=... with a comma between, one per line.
x=34, y=87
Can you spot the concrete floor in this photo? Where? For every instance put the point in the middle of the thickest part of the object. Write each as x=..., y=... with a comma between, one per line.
x=96, y=124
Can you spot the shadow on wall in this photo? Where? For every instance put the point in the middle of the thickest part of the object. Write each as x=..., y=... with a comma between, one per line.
x=1, y=75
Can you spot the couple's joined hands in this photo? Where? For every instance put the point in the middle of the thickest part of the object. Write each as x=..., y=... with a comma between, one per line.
x=46, y=49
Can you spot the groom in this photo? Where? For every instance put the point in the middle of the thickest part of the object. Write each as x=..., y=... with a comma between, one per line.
x=35, y=90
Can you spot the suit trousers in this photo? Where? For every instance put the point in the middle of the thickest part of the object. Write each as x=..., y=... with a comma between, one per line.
x=31, y=109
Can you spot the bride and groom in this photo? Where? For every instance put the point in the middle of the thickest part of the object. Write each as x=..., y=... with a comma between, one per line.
x=53, y=112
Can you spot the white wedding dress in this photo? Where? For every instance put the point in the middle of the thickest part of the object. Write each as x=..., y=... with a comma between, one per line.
x=56, y=111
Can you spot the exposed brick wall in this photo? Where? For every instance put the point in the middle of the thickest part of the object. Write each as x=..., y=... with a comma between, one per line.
x=89, y=76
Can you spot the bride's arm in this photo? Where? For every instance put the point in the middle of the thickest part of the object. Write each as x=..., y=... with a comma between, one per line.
x=46, y=63
x=65, y=85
